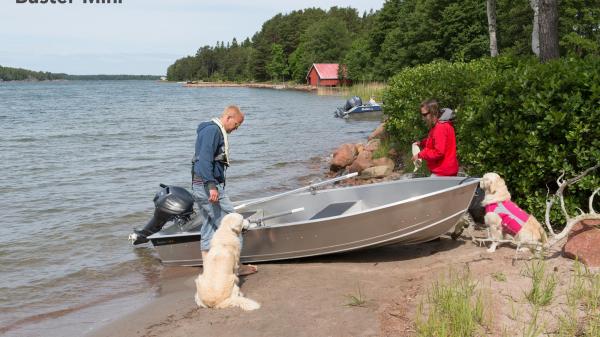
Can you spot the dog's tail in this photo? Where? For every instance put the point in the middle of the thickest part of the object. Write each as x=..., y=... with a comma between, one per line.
x=240, y=302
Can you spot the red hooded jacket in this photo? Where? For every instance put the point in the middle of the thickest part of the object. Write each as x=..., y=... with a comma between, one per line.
x=439, y=150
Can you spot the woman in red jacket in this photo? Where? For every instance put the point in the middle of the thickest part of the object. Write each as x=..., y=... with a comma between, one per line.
x=439, y=148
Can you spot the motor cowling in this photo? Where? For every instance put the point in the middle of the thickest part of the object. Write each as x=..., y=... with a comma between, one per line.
x=352, y=102
x=173, y=200
x=169, y=202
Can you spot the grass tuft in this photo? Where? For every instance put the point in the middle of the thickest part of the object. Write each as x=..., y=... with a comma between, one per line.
x=499, y=276
x=363, y=90
x=454, y=308
x=534, y=328
x=542, y=285
x=582, y=316
x=357, y=300
x=383, y=149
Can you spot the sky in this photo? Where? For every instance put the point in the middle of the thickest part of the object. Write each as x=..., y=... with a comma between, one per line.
x=134, y=37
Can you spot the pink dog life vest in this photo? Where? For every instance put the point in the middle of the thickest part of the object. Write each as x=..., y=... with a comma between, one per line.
x=512, y=216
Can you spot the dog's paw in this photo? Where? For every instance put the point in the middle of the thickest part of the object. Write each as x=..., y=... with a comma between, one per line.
x=252, y=306
x=198, y=301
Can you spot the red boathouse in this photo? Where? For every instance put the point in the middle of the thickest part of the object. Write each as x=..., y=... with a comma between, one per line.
x=324, y=75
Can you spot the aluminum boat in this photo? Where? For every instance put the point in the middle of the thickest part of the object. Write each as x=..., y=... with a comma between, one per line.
x=334, y=220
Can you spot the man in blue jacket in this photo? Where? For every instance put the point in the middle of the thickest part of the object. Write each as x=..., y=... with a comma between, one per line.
x=211, y=159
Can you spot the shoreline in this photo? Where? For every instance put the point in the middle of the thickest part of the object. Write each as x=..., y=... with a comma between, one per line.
x=317, y=296
x=282, y=86
x=313, y=296
x=294, y=296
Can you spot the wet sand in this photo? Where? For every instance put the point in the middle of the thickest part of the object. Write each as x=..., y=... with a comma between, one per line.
x=310, y=297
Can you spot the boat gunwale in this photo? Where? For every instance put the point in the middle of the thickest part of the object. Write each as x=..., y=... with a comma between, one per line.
x=190, y=263
x=335, y=217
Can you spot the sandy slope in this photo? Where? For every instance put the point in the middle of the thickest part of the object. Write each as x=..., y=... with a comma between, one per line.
x=307, y=297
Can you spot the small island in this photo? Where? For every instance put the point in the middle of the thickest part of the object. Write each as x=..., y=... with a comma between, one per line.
x=8, y=74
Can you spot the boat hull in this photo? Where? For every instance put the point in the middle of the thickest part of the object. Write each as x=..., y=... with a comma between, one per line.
x=360, y=109
x=341, y=220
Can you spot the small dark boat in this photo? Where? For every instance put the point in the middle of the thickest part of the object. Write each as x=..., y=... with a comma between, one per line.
x=354, y=105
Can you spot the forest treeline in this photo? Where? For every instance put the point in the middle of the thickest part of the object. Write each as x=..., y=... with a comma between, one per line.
x=378, y=44
x=19, y=74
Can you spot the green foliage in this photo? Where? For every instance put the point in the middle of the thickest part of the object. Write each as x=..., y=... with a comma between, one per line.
x=285, y=30
x=377, y=45
x=544, y=117
x=299, y=64
x=454, y=308
x=325, y=41
x=448, y=82
x=19, y=74
x=499, y=276
x=415, y=32
x=515, y=22
x=365, y=90
x=359, y=61
x=383, y=149
x=583, y=295
x=524, y=120
x=109, y=77
x=231, y=62
x=578, y=27
x=464, y=31
x=277, y=67
x=358, y=300
x=542, y=284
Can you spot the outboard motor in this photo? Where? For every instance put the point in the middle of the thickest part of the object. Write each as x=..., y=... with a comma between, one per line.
x=170, y=203
x=475, y=209
x=352, y=102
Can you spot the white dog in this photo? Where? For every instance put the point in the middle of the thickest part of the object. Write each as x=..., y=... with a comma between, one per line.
x=217, y=286
x=505, y=218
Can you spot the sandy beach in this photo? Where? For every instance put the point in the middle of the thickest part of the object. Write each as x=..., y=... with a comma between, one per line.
x=310, y=297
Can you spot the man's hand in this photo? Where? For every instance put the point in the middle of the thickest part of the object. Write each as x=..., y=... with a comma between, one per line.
x=214, y=196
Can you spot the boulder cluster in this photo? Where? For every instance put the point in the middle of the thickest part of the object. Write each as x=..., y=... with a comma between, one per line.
x=360, y=158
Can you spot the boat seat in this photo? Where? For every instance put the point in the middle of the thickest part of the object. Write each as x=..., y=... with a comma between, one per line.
x=338, y=208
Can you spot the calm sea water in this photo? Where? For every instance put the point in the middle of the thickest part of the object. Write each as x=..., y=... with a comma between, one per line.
x=81, y=161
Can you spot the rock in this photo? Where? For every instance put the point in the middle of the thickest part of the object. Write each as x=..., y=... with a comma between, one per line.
x=373, y=145
x=376, y=172
x=392, y=153
x=362, y=161
x=378, y=133
x=343, y=157
x=582, y=243
x=360, y=148
x=384, y=161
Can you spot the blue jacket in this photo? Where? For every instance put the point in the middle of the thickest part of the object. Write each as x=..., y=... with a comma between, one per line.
x=209, y=144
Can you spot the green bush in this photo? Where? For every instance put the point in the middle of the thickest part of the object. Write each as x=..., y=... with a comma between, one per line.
x=448, y=82
x=524, y=120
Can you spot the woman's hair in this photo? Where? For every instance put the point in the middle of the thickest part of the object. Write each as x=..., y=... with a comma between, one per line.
x=432, y=107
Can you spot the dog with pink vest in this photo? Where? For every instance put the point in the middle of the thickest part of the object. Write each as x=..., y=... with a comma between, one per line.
x=505, y=219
